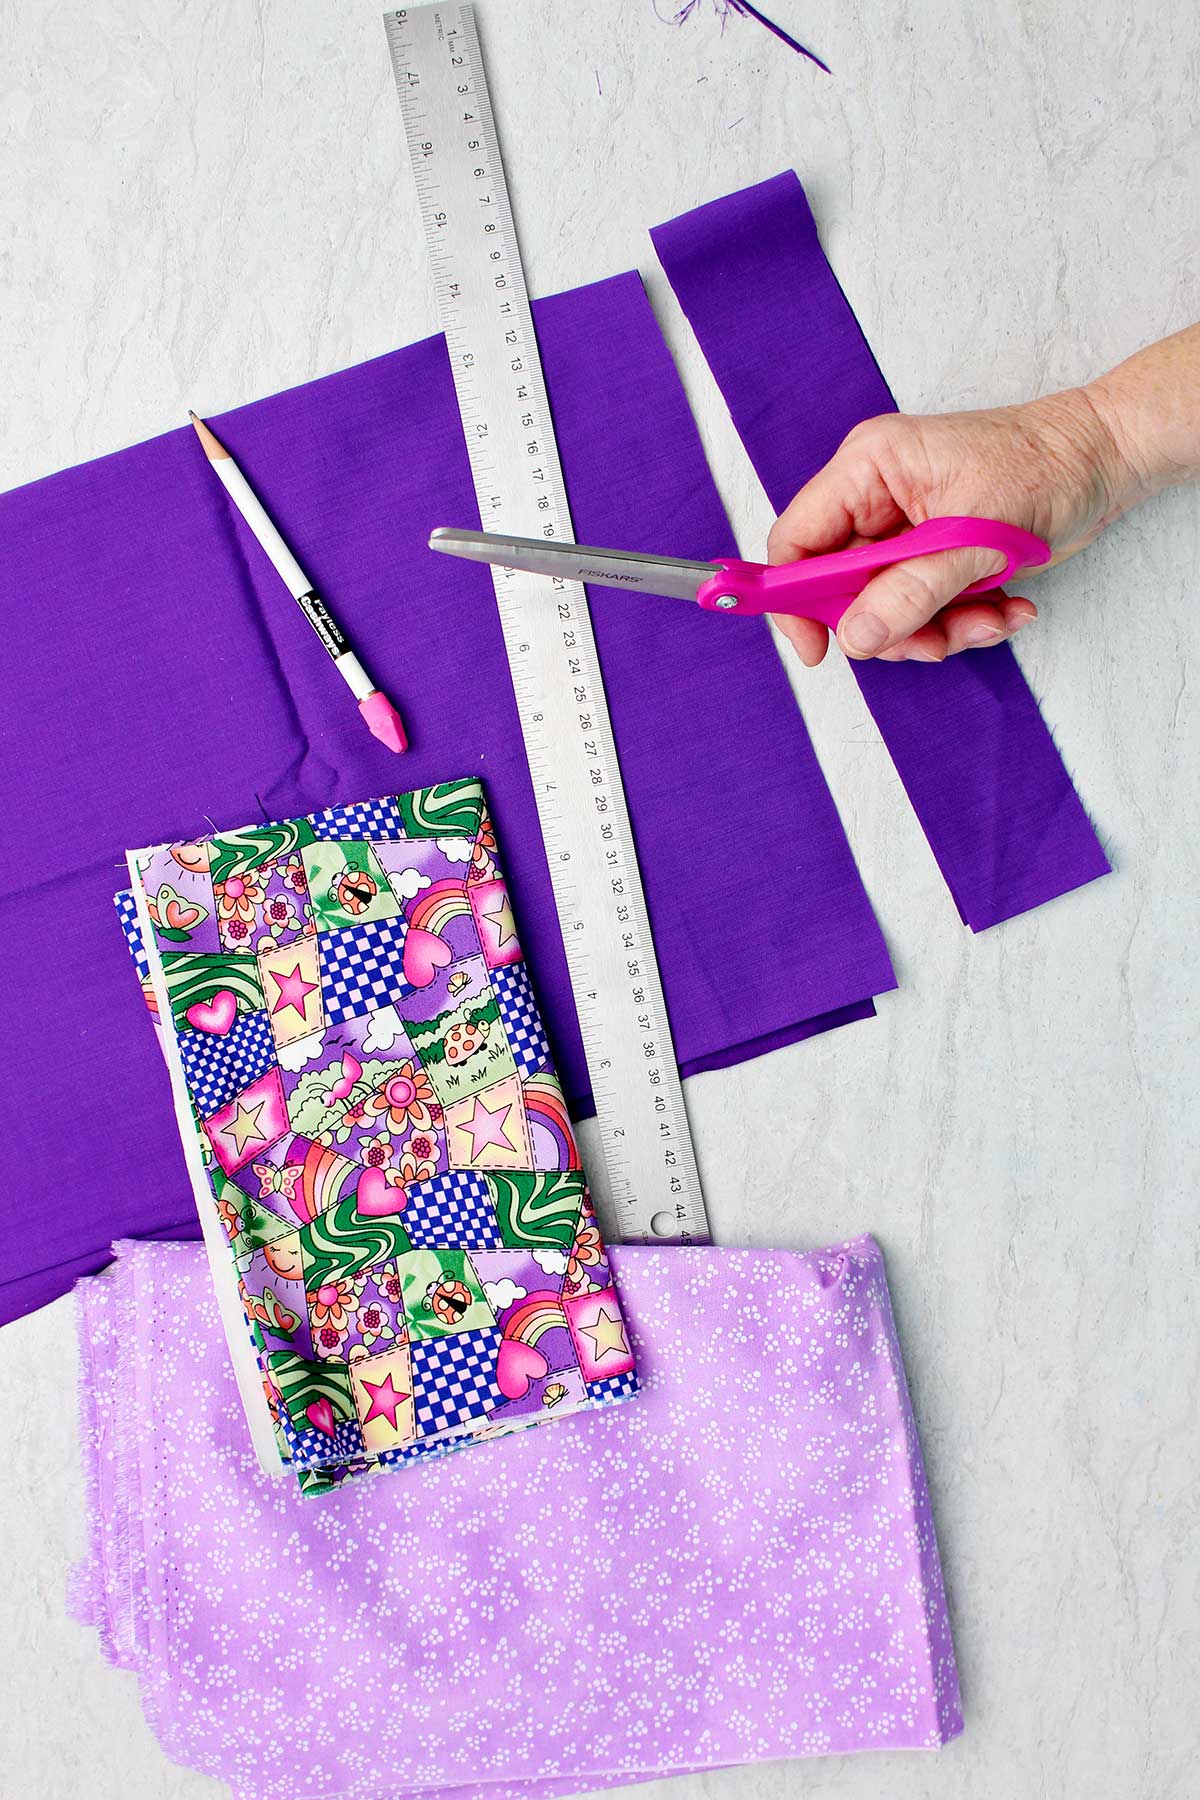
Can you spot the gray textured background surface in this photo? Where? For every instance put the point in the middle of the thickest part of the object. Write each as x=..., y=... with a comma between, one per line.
x=201, y=204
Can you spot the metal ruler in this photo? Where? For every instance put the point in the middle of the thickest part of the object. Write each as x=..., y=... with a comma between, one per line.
x=484, y=311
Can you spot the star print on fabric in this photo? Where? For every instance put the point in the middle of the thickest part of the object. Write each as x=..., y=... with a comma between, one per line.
x=504, y=923
x=291, y=981
x=385, y=1401
x=599, y=1334
x=607, y=1335
x=384, y=1385
x=494, y=922
x=486, y=1126
x=243, y=1128
x=252, y=1119
x=489, y=1129
x=293, y=990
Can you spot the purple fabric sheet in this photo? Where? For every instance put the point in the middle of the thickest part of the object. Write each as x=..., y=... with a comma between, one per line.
x=967, y=739
x=157, y=683
x=740, y=1564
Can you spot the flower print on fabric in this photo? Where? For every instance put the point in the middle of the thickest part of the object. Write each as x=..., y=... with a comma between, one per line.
x=236, y=900
x=586, y=1266
x=264, y=907
x=376, y=1152
x=333, y=1303
x=329, y=1076
x=403, y=1102
x=418, y=1158
x=405, y=1165
x=483, y=851
x=756, y=1531
x=281, y=921
x=377, y=1322
x=349, y=1126
x=388, y=1119
x=285, y=912
x=331, y=1310
x=380, y=1122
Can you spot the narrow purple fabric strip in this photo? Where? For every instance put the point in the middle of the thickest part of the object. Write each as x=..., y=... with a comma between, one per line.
x=976, y=759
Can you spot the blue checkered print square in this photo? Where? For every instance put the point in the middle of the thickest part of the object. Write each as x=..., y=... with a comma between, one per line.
x=420, y=1452
x=313, y=1449
x=520, y=1017
x=362, y=968
x=454, y=1379
x=127, y=917
x=613, y=1388
x=217, y=1068
x=452, y=1212
x=376, y=820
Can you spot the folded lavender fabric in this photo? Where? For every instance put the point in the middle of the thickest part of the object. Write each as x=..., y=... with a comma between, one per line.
x=966, y=736
x=157, y=683
x=741, y=1565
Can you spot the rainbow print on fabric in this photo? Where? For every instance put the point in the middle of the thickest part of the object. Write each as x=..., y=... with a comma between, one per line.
x=434, y=910
x=385, y=1139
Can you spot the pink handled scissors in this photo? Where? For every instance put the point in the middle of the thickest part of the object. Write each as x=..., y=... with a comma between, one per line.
x=819, y=587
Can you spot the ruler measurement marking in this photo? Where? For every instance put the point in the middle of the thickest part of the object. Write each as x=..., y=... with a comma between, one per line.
x=485, y=315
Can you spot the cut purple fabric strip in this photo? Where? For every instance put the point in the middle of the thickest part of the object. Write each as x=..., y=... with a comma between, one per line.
x=158, y=683
x=977, y=762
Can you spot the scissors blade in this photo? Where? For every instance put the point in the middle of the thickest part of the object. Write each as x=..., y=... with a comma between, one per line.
x=668, y=575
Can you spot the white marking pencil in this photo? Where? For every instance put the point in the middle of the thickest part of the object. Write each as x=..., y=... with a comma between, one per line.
x=381, y=717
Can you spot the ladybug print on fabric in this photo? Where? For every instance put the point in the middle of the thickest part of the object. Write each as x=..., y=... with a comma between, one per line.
x=354, y=891
x=448, y=1299
x=465, y=1039
x=347, y=885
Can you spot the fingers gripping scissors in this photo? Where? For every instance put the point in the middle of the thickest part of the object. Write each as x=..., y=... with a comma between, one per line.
x=818, y=587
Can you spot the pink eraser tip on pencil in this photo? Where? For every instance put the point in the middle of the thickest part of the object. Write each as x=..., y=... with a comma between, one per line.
x=383, y=721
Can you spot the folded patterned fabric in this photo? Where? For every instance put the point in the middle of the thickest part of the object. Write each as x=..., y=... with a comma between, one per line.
x=360, y=1063
x=740, y=1566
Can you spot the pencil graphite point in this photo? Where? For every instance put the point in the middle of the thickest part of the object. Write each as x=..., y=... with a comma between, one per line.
x=214, y=449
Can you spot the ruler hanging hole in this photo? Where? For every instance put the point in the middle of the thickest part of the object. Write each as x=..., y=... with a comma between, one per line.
x=664, y=1224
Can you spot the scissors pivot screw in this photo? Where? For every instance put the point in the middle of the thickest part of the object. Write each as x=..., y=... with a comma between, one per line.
x=727, y=602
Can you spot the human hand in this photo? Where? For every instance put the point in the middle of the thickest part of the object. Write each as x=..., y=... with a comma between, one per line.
x=1052, y=466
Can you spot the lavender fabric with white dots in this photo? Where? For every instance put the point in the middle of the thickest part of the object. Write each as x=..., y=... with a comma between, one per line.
x=738, y=1565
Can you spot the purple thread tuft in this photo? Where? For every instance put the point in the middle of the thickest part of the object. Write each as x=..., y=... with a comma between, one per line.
x=744, y=7
x=746, y=11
